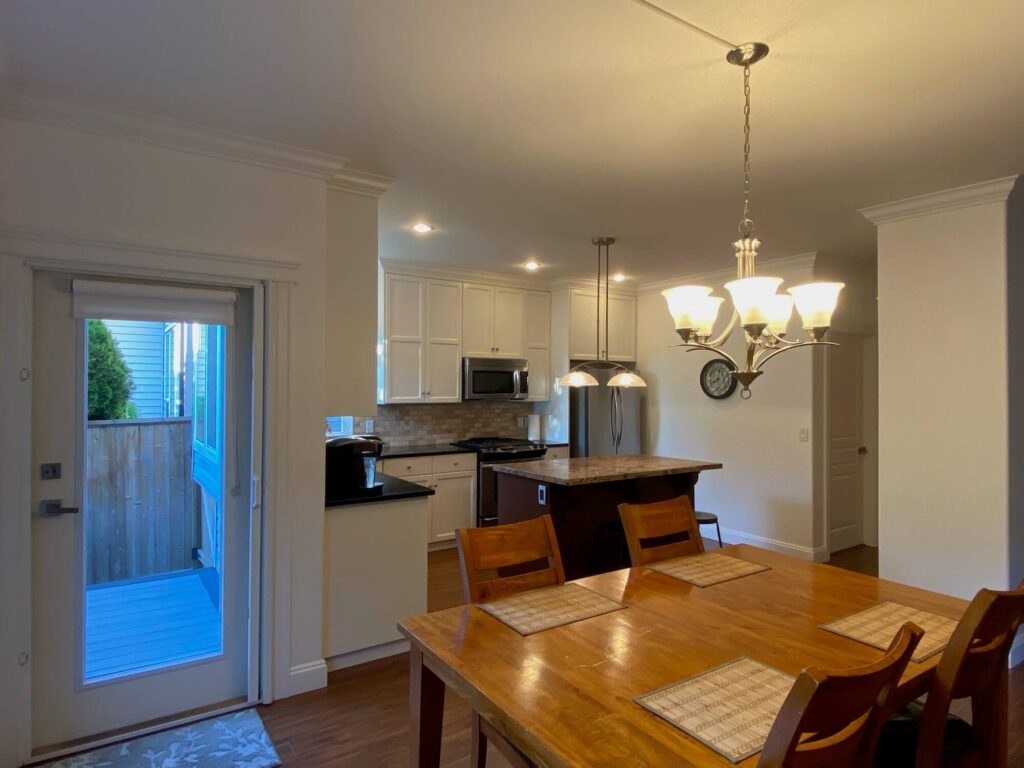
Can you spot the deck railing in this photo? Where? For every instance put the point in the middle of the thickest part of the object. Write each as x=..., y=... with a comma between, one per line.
x=141, y=516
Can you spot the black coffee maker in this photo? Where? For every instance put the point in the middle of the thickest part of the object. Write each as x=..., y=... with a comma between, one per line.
x=352, y=467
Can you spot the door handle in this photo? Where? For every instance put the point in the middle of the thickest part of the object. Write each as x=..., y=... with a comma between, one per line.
x=54, y=507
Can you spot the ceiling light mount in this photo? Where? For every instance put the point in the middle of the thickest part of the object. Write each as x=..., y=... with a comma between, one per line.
x=747, y=55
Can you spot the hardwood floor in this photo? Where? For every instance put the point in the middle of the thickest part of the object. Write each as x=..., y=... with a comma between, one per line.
x=361, y=718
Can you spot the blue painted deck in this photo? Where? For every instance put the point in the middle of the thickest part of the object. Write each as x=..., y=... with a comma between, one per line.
x=149, y=623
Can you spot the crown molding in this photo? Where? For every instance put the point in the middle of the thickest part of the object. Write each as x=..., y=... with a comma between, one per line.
x=782, y=264
x=48, y=247
x=994, y=191
x=359, y=183
x=590, y=284
x=90, y=117
x=461, y=274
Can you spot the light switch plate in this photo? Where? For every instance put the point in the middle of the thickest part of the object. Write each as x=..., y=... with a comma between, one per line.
x=805, y=434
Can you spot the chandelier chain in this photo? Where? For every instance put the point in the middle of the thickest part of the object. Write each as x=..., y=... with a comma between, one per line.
x=746, y=226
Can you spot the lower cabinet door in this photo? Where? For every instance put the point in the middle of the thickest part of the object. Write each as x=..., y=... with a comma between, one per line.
x=452, y=505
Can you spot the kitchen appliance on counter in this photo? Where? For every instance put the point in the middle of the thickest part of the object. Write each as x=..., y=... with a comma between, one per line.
x=495, y=378
x=606, y=421
x=490, y=451
x=352, y=467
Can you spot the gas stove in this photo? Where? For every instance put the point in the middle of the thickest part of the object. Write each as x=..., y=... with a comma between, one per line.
x=502, y=448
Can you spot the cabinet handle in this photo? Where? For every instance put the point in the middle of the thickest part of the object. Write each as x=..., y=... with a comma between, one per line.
x=455, y=463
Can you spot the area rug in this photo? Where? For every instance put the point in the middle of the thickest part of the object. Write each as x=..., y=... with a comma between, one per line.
x=238, y=740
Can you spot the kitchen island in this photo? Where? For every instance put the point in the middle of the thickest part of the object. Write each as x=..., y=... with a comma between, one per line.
x=582, y=496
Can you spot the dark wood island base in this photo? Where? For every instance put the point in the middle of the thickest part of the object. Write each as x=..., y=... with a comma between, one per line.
x=582, y=497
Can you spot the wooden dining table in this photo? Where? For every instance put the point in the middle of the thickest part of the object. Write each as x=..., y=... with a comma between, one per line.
x=565, y=696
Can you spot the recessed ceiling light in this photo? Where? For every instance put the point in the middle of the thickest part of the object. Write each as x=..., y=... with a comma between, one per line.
x=531, y=265
x=422, y=227
x=619, y=277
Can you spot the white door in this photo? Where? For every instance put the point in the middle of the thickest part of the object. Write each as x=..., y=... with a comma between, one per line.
x=141, y=571
x=452, y=504
x=444, y=339
x=477, y=320
x=509, y=318
x=403, y=328
x=845, y=483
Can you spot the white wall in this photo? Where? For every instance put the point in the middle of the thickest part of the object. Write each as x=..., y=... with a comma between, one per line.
x=943, y=418
x=71, y=192
x=765, y=492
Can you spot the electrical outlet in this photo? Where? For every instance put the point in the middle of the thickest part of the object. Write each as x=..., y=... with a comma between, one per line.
x=49, y=471
x=369, y=425
x=522, y=421
x=805, y=435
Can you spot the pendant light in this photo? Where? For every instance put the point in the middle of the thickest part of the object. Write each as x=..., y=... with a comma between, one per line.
x=579, y=375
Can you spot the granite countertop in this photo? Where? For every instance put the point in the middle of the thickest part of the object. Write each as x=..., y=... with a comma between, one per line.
x=394, y=488
x=427, y=449
x=602, y=469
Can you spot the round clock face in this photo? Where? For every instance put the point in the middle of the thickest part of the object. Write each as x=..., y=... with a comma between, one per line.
x=716, y=379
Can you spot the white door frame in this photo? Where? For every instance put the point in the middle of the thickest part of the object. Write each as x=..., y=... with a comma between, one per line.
x=16, y=279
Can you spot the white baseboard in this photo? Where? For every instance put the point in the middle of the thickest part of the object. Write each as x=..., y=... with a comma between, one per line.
x=382, y=651
x=817, y=554
x=436, y=546
x=305, y=677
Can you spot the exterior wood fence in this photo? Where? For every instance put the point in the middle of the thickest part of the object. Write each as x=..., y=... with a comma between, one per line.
x=141, y=515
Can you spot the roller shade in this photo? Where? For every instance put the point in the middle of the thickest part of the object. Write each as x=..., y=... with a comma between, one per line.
x=167, y=303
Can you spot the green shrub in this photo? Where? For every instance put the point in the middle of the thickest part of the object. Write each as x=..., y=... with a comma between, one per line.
x=110, y=380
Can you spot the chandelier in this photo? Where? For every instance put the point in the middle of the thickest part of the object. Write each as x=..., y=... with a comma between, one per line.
x=580, y=375
x=763, y=313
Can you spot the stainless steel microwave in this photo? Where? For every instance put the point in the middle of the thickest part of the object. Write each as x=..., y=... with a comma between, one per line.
x=495, y=378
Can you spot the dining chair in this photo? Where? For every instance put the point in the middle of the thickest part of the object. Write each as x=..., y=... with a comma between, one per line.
x=973, y=666
x=833, y=719
x=661, y=531
x=498, y=561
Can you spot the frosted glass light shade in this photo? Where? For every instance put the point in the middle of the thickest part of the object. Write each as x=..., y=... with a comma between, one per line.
x=578, y=379
x=683, y=301
x=626, y=379
x=705, y=313
x=816, y=302
x=752, y=296
x=780, y=309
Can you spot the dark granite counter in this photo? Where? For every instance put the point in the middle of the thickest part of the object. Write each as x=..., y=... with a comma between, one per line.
x=394, y=488
x=428, y=449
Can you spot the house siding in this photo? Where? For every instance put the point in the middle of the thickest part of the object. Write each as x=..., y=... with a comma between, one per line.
x=142, y=344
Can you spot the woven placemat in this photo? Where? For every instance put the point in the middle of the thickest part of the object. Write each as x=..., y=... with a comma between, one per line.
x=541, y=609
x=707, y=569
x=878, y=625
x=730, y=708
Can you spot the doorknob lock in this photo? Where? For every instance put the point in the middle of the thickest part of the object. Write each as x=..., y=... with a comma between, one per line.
x=55, y=507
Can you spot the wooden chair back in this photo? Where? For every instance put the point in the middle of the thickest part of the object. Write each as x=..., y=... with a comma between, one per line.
x=484, y=553
x=833, y=719
x=661, y=531
x=974, y=666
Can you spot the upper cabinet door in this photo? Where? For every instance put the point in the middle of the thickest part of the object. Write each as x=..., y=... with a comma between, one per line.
x=621, y=327
x=444, y=339
x=582, y=325
x=477, y=320
x=538, y=319
x=403, y=338
x=509, y=322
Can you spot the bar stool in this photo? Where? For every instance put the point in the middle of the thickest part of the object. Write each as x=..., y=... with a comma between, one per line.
x=707, y=518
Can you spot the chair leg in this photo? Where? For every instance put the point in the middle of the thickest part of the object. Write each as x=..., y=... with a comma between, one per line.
x=478, y=749
x=719, y=532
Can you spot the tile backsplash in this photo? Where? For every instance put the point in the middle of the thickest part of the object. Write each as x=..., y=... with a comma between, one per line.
x=445, y=422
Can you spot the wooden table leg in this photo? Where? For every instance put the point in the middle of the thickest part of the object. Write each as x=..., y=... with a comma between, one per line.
x=426, y=712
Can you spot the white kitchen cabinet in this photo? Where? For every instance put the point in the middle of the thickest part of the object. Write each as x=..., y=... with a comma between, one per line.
x=493, y=320
x=444, y=339
x=537, y=331
x=557, y=452
x=584, y=316
x=403, y=338
x=477, y=320
x=422, y=340
x=452, y=504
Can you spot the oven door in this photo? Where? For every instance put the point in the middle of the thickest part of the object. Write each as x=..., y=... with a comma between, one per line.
x=494, y=379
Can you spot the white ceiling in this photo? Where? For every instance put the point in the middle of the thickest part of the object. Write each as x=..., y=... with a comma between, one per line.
x=521, y=128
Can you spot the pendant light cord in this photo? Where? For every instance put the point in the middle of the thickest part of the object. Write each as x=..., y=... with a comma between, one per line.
x=689, y=25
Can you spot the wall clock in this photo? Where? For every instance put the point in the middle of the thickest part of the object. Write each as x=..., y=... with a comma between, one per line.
x=716, y=379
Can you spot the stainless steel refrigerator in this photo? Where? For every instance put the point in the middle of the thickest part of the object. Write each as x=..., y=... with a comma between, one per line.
x=606, y=421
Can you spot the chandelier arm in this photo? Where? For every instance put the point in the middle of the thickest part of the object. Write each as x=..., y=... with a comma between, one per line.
x=693, y=346
x=726, y=333
x=781, y=341
x=768, y=354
